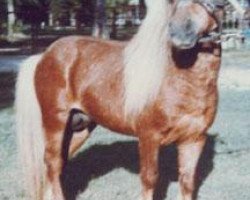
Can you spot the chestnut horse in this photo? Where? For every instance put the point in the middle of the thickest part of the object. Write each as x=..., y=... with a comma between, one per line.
x=160, y=87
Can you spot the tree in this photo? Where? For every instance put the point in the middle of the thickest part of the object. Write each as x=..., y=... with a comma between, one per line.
x=100, y=29
x=11, y=19
x=84, y=11
x=32, y=11
x=60, y=10
x=3, y=15
x=112, y=3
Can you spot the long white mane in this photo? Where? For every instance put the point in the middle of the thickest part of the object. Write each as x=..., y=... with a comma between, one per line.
x=145, y=58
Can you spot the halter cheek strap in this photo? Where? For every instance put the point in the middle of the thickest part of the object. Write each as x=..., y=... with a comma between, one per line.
x=211, y=37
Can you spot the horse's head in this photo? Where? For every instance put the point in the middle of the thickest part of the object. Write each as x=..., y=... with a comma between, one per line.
x=190, y=21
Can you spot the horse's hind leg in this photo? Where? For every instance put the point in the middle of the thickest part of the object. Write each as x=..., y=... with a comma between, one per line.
x=58, y=135
x=62, y=139
x=149, y=150
x=188, y=157
x=54, y=163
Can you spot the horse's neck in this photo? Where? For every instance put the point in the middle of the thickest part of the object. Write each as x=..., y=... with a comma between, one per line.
x=198, y=59
x=198, y=67
x=208, y=60
x=145, y=58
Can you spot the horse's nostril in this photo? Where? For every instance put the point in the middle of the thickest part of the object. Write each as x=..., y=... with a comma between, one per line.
x=189, y=26
x=190, y=33
x=172, y=34
x=170, y=24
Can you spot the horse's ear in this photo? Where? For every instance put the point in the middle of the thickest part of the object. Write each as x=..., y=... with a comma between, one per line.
x=209, y=5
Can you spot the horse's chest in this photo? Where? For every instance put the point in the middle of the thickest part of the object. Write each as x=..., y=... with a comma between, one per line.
x=190, y=105
x=188, y=95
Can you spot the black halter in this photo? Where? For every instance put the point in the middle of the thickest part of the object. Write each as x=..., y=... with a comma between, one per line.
x=211, y=37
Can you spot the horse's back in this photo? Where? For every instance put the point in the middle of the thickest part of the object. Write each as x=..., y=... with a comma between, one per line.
x=68, y=49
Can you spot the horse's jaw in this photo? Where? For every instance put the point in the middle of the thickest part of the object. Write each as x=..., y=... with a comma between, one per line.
x=184, y=45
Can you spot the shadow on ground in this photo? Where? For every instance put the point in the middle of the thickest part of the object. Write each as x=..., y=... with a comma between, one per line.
x=99, y=160
x=7, y=85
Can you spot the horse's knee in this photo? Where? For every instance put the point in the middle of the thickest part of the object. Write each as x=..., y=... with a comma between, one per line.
x=52, y=154
x=149, y=177
x=149, y=150
x=186, y=179
x=53, y=163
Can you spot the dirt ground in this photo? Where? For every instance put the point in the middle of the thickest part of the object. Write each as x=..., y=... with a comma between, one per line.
x=107, y=166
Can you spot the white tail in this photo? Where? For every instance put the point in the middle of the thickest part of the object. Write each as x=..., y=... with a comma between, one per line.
x=29, y=130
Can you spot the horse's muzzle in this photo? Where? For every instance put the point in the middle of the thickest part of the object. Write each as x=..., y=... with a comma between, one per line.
x=184, y=44
x=183, y=38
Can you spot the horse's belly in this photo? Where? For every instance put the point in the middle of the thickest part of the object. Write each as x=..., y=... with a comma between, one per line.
x=106, y=109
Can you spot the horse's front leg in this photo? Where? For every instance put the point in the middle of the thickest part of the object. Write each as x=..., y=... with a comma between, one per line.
x=188, y=158
x=149, y=150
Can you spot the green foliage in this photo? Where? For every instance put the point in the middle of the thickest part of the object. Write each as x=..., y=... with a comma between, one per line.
x=35, y=3
x=3, y=10
x=36, y=11
x=111, y=3
x=3, y=15
x=31, y=11
x=60, y=10
x=84, y=11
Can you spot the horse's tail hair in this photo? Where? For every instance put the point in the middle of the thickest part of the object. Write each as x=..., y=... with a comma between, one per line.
x=29, y=130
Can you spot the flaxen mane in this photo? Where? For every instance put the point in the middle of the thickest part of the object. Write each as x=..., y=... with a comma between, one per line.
x=145, y=58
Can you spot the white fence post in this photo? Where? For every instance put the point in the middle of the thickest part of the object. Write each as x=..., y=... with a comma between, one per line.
x=11, y=20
